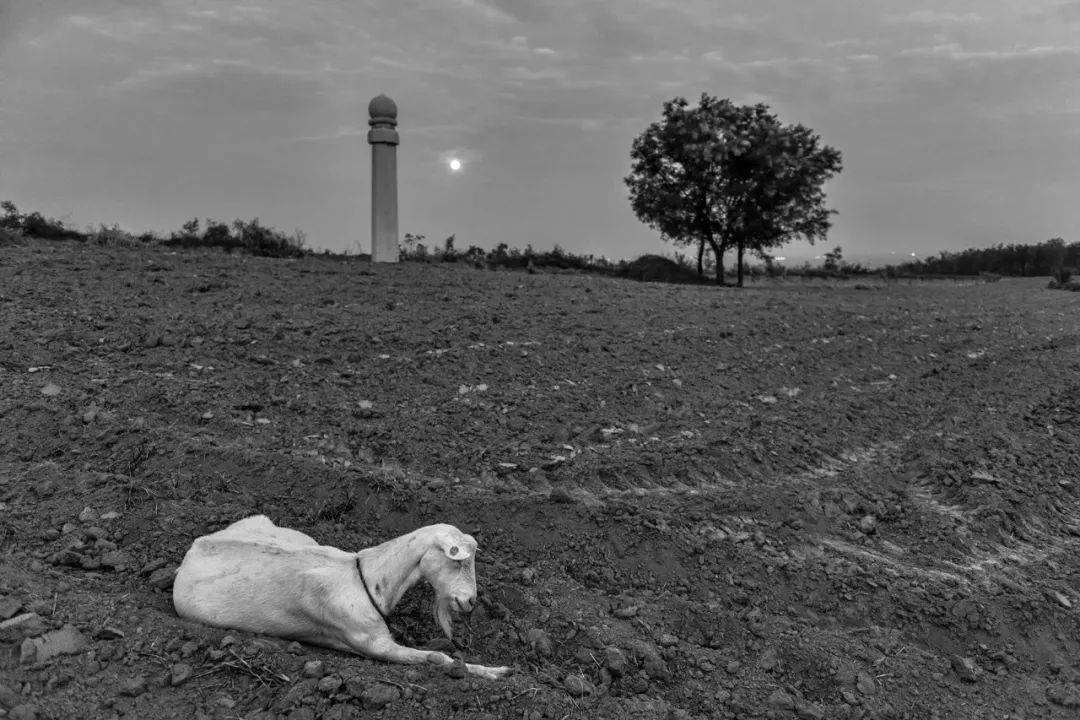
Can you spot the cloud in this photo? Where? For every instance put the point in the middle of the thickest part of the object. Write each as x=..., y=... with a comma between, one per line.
x=522, y=75
x=936, y=18
x=170, y=71
x=954, y=52
x=345, y=133
x=1068, y=12
x=490, y=12
x=585, y=124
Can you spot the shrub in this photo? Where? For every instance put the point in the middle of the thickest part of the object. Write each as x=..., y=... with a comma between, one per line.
x=259, y=240
x=653, y=268
x=113, y=236
x=217, y=235
x=449, y=254
x=36, y=225
x=251, y=237
x=11, y=219
x=412, y=248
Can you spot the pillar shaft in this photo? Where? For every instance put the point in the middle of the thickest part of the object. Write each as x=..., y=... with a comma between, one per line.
x=384, y=206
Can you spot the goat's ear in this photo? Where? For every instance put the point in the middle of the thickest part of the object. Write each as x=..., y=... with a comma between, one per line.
x=455, y=549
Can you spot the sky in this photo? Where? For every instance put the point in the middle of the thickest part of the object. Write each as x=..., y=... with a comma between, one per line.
x=958, y=120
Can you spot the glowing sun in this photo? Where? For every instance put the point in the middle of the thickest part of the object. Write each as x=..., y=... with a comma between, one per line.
x=455, y=164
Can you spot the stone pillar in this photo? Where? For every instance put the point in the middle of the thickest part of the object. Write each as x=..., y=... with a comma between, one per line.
x=384, y=216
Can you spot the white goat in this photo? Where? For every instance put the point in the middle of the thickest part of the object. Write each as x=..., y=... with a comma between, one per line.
x=258, y=577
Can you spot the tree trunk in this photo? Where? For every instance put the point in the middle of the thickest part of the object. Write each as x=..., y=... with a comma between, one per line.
x=701, y=258
x=742, y=249
x=719, y=253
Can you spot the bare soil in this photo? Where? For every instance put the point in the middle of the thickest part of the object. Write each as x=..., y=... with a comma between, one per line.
x=794, y=500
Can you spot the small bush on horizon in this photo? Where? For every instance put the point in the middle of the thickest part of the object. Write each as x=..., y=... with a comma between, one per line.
x=35, y=225
x=251, y=237
x=112, y=236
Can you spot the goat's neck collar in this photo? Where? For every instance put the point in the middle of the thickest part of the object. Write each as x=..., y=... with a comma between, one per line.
x=374, y=602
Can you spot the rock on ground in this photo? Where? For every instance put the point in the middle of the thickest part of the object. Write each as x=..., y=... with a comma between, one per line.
x=21, y=627
x=379, y=695
x=65, y=641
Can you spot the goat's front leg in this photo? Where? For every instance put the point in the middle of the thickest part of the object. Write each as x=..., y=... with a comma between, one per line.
x=384, y=648
x=487, y=672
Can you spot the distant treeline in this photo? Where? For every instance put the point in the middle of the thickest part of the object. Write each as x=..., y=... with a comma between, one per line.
x=1051, y=258
x=249, y=236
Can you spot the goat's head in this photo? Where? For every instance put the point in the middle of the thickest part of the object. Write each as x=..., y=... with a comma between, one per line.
x=449, y=566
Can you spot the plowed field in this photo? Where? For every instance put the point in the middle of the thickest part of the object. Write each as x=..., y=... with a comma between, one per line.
x=792, y=500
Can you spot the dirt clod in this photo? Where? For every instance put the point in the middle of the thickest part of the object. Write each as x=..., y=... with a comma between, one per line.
x=868, y=524
x=781, y=700
x=809, y=710
x=769, y=660
x=965, y=668
x=65, y=641
x=560, y=494
x=313, y=669
x=378, y=695
x=615, y=661
x=1064, y=695
x=8, y=697
x=8, y=607
x=180, y=673
x=25, y=711
x=457, y=669
x=20, y=627
x=162, y=578
x=578, y=686
x=330, y=684
x=132, y=686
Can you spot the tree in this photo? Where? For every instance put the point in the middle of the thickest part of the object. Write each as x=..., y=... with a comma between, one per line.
x=833, y=259
x=728, y=176
x=11, y=218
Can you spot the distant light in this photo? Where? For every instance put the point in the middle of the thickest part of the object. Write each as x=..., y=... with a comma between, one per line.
x=912, y=254
x=455, y=164
x=779, y=258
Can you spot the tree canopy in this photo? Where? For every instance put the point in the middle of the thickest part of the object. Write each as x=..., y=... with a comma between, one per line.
x=728, y=176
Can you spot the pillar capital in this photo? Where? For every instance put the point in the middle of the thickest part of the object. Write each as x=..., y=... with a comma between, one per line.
x=383, y=119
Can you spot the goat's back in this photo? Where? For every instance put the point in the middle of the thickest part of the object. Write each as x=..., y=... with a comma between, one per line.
x=256, y=576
